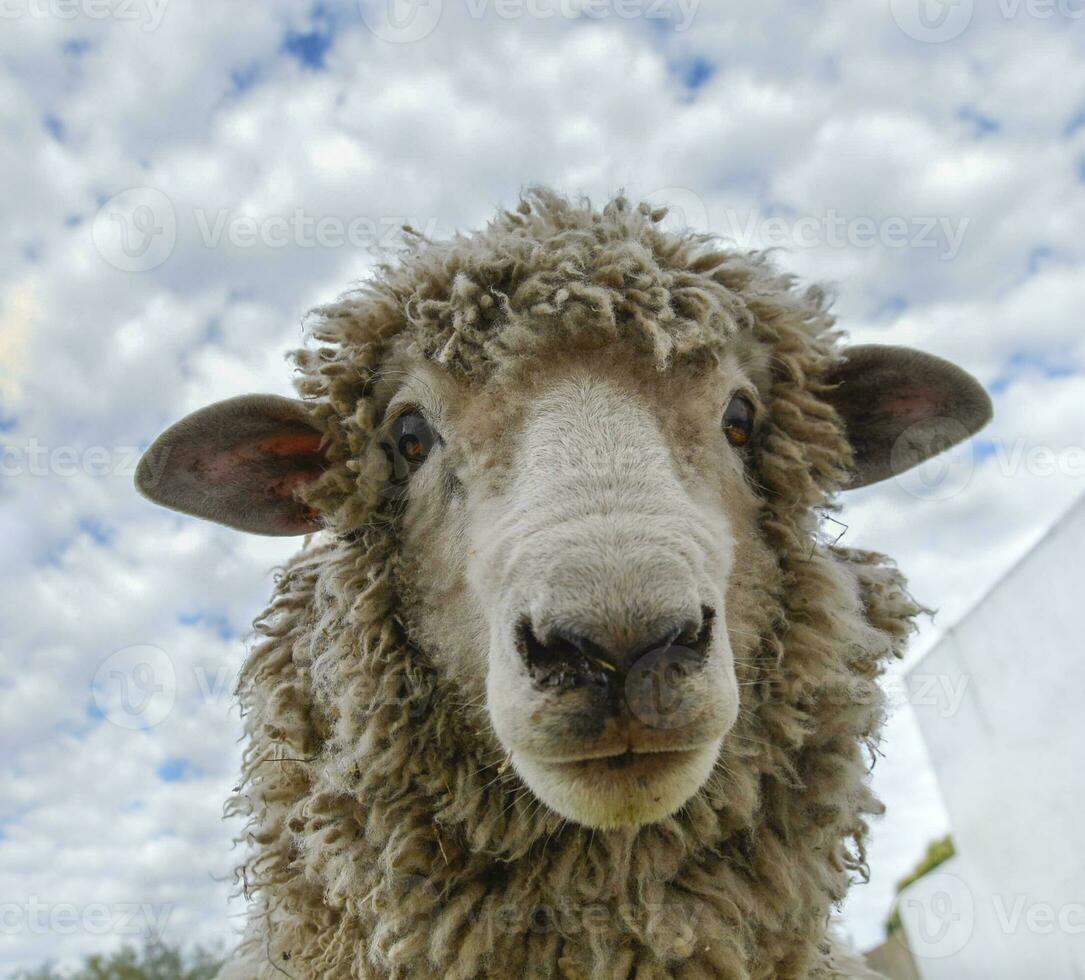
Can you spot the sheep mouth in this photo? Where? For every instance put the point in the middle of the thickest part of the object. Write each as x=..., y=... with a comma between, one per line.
x=625, y=788
x=630, y=761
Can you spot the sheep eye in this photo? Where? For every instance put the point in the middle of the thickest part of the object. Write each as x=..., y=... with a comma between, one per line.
x=412, y=440
x=738, y=420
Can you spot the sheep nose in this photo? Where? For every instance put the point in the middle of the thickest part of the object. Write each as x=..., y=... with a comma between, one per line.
x=567, y=658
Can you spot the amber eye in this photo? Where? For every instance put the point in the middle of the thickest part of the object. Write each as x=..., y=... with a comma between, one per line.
x=738, y=420
x=412, y=439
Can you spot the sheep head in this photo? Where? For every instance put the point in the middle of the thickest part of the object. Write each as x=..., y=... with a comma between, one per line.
x=568, y=472
x=579, y=532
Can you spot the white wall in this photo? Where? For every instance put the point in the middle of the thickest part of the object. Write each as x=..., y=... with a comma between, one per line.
x=1001, y=703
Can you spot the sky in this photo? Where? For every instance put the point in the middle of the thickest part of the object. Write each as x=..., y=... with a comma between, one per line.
x=182, y=182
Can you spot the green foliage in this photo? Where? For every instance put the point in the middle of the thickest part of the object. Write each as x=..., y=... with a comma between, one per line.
x=155, y=961
x=938, y=852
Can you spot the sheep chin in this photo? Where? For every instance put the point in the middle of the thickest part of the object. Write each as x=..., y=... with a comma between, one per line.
x=605, y=794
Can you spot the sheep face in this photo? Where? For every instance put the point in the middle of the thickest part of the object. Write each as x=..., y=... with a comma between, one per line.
x=581, y=541
x=574, y=564
x=608, y=445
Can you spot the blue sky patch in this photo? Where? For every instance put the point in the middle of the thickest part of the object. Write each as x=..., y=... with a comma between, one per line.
x=76, y=47
x=245, y=78
x=310, y=47
x=984, y=449
x=1024, y=362
x=981, y=125
x=213, y=333
x=1038, y=257
x=890, y=308
x=212, y=621
x=55, y=128
x=693, y=73
x=174, y=769
x=96, y=531
x=779, y=209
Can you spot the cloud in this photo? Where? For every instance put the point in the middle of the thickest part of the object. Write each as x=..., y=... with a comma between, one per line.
x=16, y=320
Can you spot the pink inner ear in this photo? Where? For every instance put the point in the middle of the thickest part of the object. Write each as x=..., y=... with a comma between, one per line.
x=242, y=462
x=290, y=461
x=913, y=404
x=300, y=444
x=267, y=471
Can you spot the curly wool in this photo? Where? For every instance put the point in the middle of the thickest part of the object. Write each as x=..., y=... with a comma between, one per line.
x=388, y=837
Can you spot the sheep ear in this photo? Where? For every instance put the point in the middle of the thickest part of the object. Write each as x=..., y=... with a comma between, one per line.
x=902, y=406
x=238, y=462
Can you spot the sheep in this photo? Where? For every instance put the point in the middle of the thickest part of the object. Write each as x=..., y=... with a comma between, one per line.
x=566, y=685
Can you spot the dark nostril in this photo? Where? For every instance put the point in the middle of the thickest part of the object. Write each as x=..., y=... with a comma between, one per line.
x=697, y=634
x=566, y=659
x=682, y=648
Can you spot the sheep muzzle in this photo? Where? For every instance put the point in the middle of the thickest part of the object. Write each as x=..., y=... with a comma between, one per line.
x=611, y=679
